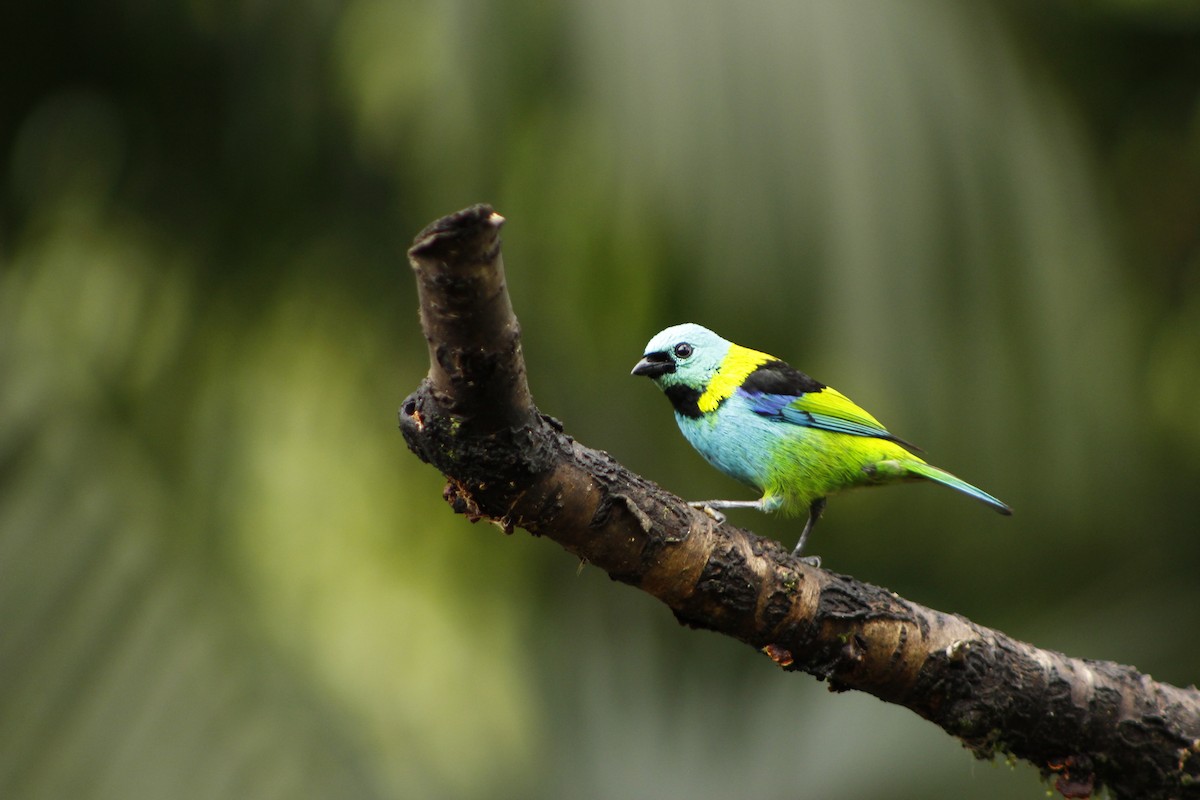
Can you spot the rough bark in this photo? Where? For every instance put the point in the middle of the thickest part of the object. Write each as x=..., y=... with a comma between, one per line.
x=1084, y=723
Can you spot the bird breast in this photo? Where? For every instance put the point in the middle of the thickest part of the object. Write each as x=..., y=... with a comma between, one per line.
x=735, y=440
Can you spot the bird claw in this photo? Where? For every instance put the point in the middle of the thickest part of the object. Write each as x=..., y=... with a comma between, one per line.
x=709, y=511
x=812, y=561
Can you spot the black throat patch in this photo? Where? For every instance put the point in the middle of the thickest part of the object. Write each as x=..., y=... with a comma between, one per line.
x=684, y=399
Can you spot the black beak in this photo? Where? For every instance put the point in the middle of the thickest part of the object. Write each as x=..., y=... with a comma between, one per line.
x=654, y=365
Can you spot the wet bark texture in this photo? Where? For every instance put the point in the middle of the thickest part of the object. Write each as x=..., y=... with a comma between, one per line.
x=1085, y=724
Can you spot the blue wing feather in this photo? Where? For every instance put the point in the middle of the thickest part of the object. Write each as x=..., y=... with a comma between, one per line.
x=767, y=405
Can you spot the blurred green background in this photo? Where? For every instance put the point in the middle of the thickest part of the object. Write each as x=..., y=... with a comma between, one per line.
x=222, y=574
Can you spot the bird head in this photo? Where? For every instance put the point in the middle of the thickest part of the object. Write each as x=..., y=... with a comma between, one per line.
x=682, y=360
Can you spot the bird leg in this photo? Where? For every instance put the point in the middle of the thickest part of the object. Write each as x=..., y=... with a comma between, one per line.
x=814, y=513
x=768, y=503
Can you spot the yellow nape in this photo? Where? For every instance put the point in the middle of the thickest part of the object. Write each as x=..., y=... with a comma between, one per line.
x=739, y=362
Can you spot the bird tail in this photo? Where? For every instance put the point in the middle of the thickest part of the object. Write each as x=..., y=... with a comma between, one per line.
x=936, y=475
x=911, y=468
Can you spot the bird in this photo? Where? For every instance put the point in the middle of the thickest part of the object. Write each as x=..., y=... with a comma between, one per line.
x=767, y=424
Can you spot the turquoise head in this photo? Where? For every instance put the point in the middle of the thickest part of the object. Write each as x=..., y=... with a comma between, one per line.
x=683, y=360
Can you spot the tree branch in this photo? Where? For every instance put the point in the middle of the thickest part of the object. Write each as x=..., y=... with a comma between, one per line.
x=1089, y=723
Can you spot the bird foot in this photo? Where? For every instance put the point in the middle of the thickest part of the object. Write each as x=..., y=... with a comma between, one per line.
x=709, y=511
x=812, y=561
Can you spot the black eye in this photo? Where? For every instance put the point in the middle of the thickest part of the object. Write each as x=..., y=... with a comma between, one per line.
x=683, y=350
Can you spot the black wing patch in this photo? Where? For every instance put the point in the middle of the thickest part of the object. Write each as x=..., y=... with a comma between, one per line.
x=779, y=377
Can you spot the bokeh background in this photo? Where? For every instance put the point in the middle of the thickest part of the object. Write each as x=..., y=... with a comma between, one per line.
x=223, y=575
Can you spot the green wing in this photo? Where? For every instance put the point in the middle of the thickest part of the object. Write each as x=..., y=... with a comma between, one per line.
x=826, y=409
x=777, y=389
